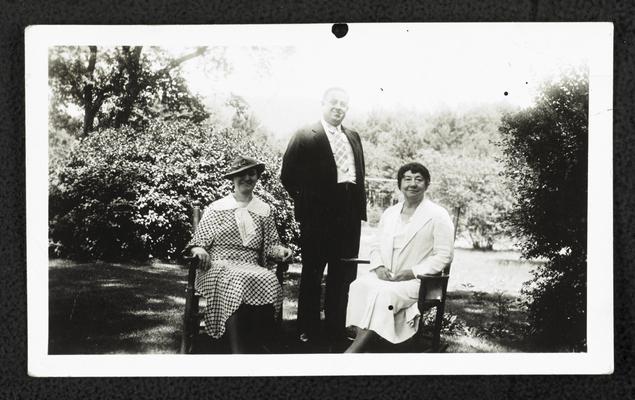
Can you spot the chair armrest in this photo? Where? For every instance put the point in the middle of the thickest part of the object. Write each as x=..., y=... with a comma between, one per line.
x=190, y=261
x=433, y=277
x=281, y=268
x=355, y=260
x=432, y=290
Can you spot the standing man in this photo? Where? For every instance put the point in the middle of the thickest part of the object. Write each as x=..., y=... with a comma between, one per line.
x=323, y=171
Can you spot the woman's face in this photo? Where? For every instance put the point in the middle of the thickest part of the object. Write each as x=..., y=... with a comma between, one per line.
x=246, y=181
x=413, y=186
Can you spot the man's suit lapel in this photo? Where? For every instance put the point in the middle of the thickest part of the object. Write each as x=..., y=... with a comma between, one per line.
x=322, y=142
x=355, y=145
x=357, y=154
x=420, y=218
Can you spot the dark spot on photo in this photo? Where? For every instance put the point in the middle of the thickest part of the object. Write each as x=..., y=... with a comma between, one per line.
x=339, y=30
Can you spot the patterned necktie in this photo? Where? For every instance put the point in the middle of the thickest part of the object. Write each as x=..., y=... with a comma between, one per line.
x=341, y=151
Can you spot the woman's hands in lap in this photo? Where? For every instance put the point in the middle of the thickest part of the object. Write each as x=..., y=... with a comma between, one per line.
x=403, y=275
x=385, y=275
x=204, y=260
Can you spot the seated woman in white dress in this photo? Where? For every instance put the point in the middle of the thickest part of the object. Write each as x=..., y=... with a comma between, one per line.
x=415, y=237
x=236, y=235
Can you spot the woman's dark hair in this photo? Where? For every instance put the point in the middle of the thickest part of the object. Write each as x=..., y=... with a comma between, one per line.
x=413, y=167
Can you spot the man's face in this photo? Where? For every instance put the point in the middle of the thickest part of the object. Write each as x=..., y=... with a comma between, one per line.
x=334, y=107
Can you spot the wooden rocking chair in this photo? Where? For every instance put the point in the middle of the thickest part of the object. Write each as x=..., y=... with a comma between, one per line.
x=193, y=324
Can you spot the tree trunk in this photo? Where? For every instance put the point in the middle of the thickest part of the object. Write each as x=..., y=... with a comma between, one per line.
x=130, y=64
x=87, y=93
x=457, y=215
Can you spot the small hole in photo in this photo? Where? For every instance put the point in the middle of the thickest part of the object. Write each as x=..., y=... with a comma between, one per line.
x=339, y=30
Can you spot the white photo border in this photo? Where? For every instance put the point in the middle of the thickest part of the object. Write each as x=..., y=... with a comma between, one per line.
x=598, y=359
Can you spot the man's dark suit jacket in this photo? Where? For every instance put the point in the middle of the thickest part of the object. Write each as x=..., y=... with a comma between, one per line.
x=309, y=174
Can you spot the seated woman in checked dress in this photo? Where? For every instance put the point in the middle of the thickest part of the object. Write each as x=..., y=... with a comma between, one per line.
x=232, y=242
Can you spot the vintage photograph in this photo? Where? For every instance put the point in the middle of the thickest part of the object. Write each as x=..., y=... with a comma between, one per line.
x=409, y=192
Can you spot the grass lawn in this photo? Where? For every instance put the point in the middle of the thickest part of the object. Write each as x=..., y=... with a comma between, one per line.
x=109, y=308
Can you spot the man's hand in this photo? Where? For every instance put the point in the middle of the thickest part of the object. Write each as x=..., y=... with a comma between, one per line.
x=383, y=273
x=403, y=275
x=204, y=260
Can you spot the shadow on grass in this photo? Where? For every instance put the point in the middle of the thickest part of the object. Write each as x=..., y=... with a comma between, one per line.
x=102, y=308
x=495, y=322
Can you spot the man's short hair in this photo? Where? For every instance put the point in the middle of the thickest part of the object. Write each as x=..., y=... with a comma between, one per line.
x=333, y=89
x=413, y=167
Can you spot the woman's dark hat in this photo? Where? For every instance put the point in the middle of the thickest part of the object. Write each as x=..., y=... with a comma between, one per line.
x=243, y=163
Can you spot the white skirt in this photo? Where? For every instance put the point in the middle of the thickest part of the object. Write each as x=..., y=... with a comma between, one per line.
x=388, y=308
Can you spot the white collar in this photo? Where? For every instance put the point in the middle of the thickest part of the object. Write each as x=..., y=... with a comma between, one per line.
x=421, y=208
x=229, y=202
x=326, y=126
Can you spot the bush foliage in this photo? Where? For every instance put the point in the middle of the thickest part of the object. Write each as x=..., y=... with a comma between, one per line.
x=459, y=148
x=545, y=150
x=474, y=188
x=127, y=194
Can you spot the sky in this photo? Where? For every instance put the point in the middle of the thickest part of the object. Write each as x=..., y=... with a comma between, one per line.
x=422, y=67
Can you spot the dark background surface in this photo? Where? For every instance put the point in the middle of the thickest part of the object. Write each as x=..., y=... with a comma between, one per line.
x=15, y=16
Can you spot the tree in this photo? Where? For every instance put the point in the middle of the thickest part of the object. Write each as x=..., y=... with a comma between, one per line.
x=126, y=85
x=545, y=151
x=126, y=193
x=244, y=120
x=459, y=148
x=474, y=188
x=390, y=138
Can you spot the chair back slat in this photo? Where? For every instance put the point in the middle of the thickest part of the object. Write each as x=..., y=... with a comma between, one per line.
x=190, y=316
x=196, y=214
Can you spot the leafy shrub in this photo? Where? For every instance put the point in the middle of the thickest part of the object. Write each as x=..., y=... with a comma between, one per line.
x=545, y=150
x=556, y=299
x=125, y=193
x=452, y=324
x=501, y=324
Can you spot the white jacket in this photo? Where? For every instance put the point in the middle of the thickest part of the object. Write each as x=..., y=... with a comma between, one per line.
x=429, y=240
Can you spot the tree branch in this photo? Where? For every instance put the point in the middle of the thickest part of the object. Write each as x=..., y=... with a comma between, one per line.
x=175, y=63
x=92, y=60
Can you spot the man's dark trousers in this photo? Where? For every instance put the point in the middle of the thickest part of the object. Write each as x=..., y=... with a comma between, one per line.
x=327, y=240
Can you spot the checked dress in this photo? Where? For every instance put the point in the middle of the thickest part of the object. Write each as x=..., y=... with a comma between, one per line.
x=238, y=254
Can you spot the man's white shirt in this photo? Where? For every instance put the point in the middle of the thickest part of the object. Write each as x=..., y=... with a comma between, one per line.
x=345, y=173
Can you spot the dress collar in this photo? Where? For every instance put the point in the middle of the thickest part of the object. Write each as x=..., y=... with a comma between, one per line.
x=255, y=206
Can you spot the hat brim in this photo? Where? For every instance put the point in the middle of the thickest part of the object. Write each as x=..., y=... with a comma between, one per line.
x=260, y=167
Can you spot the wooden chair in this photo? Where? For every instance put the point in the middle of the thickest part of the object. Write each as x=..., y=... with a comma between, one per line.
x=193, y=323
x=432, y=294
